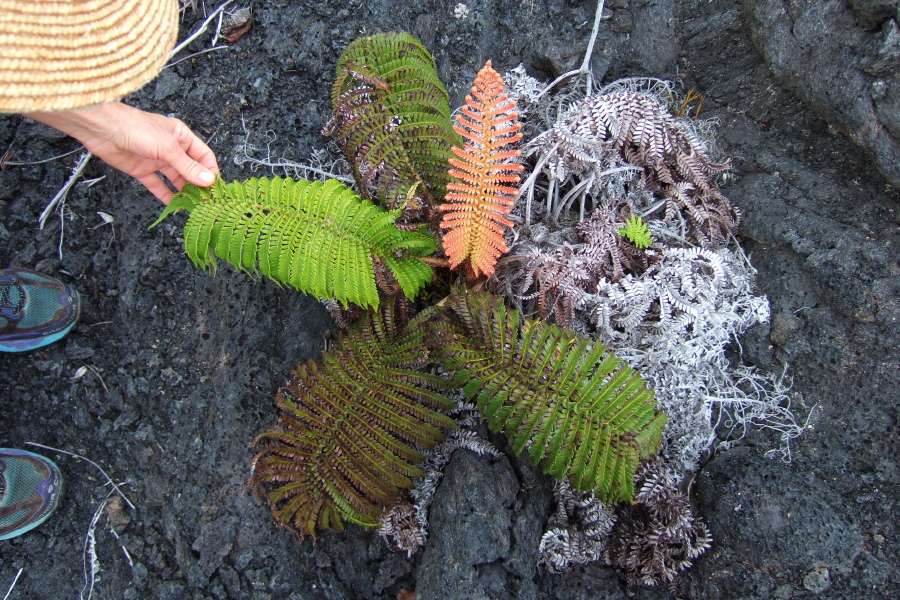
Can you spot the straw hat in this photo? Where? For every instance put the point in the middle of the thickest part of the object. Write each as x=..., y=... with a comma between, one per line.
x=63, y=54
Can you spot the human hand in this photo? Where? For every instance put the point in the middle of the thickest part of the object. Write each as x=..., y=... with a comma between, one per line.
x=139, y=144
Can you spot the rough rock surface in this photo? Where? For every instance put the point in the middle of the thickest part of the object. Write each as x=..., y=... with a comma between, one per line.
x=184, y=365
x=483, y=544
x=858, y=45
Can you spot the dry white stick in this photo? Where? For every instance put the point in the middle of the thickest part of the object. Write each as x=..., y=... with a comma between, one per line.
x=528, y=186
x=13, y=584
x=218, y=29
x=172, y=64
x=62, y=193
x=99, y=468
x=89, y=554
x=112, y=530
x=127, y=555
x=585, y=68
x=12, y=163
x=96, y=372
x=200, y=30
x=586, y=64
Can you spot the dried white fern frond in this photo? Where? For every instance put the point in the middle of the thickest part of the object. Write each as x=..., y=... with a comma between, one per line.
x=694, y=292
x=673, y=324
x=577, y=531
x=524, y=89
x=436, y=460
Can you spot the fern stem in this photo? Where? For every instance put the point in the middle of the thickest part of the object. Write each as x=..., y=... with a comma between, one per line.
x=433, y=261
x=586, y=64
x=529, y=183
x=585, y=68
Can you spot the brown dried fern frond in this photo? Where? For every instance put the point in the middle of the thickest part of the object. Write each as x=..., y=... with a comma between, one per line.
x=481, y=192
x=601, y=130
x=560, y=280
x=610, y=254
x=657, y=536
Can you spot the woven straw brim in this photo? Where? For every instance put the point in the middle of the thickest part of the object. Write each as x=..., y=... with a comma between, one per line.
x=65, y=54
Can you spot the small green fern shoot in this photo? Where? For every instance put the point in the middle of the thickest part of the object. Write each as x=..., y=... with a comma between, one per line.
x=635, y=231
x=320, y=238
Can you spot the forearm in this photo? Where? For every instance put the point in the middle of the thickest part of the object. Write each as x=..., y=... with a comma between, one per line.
x=88, y=125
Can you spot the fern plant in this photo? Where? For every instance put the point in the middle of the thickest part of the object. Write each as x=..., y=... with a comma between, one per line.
x=392, y=116
x=317, y=237
x=579, y=410
x=636, y=231
x=343, y=448
x=483, y=175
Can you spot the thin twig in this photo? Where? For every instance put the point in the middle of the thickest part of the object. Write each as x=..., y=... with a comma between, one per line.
x=10, y=163
x=585, y=68
x=528, y=186
x=92, y=182
x=586, y=64
x=13, y=584
x=124, y=549
x=200, y=30
x=96, y=372
x=218, y=29
x=62, y=193
x=172, y=64
x=99, y=468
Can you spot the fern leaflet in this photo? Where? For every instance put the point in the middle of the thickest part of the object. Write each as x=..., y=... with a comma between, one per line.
x=392, y=116
x=579, y=410
x=482, y=193
x=343, y=447
x=636, y=231
x=317, y=237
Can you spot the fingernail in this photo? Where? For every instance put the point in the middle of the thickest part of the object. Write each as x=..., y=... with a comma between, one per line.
x=206, y=177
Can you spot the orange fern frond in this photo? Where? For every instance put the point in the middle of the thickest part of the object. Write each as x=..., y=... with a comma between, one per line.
x=481, y=190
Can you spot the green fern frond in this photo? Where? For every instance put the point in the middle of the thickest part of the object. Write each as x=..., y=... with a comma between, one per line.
x=392, y=116
x=343, y=446
x=578, y=409
x=317, y=237
x=635, y=231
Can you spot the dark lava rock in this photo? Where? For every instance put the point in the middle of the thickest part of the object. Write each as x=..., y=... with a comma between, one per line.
x=473, y=533
x=860, y=95
x=775, y=519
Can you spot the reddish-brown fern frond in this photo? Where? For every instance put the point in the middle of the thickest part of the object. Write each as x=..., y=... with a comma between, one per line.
x=481, y=190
